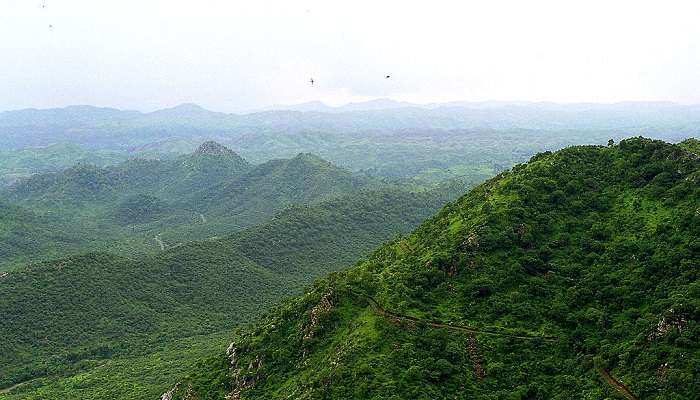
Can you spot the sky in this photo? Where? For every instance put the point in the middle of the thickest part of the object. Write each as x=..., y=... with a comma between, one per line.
x=239, y=55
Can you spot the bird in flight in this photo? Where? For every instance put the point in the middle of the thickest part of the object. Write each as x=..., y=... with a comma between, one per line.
x=312, y=81
x=387, y=77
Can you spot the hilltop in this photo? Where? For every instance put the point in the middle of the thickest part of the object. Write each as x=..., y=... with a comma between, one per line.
x=571, y=276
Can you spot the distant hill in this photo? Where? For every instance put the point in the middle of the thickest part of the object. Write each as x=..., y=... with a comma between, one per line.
x=144, y=206
x=18, y=164
x=110, y=128
x=574, y=275
x=209, y=165
x=382, y=138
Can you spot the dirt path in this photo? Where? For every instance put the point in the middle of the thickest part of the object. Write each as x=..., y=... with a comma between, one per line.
x=13, y=387
x=378, y=309
x=615, y=384
x=159, y=241
x=461, y=328
x=473, y=349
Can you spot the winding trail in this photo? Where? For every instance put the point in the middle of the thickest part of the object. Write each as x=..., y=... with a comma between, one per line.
x=618, y=386
x=159, y=241
x=13, y=387
x=379, y=310
x=615, y=384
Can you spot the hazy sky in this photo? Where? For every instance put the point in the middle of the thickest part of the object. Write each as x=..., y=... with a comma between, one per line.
x=234, y=55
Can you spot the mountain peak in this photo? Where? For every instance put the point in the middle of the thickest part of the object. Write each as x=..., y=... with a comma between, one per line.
x=188, y=107
x=214, y=148
x=311, y=159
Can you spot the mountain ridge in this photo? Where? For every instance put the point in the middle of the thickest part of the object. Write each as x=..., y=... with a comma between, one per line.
x=591, y=245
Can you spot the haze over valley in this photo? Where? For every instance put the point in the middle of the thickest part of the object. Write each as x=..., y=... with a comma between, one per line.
x=319, y=200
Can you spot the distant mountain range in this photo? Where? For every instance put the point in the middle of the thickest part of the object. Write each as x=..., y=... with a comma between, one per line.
x=108, y=127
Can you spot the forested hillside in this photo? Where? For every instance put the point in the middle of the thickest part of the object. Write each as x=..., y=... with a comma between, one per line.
x=98, y=325
x=574, y=275
x=24, y=234
x=145, y=206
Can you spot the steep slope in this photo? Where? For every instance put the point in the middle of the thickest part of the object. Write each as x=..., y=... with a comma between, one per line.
x=572, y=276
x=84, y=315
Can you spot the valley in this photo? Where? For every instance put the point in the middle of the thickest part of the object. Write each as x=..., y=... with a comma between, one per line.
x=153, y=274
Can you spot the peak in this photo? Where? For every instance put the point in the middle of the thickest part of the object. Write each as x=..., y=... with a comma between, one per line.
x=214, y=148
x=310, y=158
x=188, y=107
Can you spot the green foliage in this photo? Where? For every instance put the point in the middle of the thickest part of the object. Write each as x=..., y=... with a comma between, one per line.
x=577, y=260
x=691, y=144
x=141, y=206
x=25, y=234
x=408, y=141
x=104, y=325
x=18, y=164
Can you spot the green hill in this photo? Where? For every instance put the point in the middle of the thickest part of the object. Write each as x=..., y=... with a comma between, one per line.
x=144, y=206
x=574, y=275
x=98, y=325
x=17, y=164
x=276, y=184
x=209, y=165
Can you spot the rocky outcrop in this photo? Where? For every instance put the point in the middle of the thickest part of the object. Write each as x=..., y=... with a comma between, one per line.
x=170, y=393
x=322, y=308
x=241, y=377
x=672, y=320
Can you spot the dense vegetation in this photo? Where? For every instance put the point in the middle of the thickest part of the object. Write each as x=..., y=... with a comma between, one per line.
x=98, y=325
x=24, y=234
x=144, y=206
x=22, y=163
x=556, y=280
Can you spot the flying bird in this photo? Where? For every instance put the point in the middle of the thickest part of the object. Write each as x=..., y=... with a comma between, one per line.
x=387, y=77
x=312, y=81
